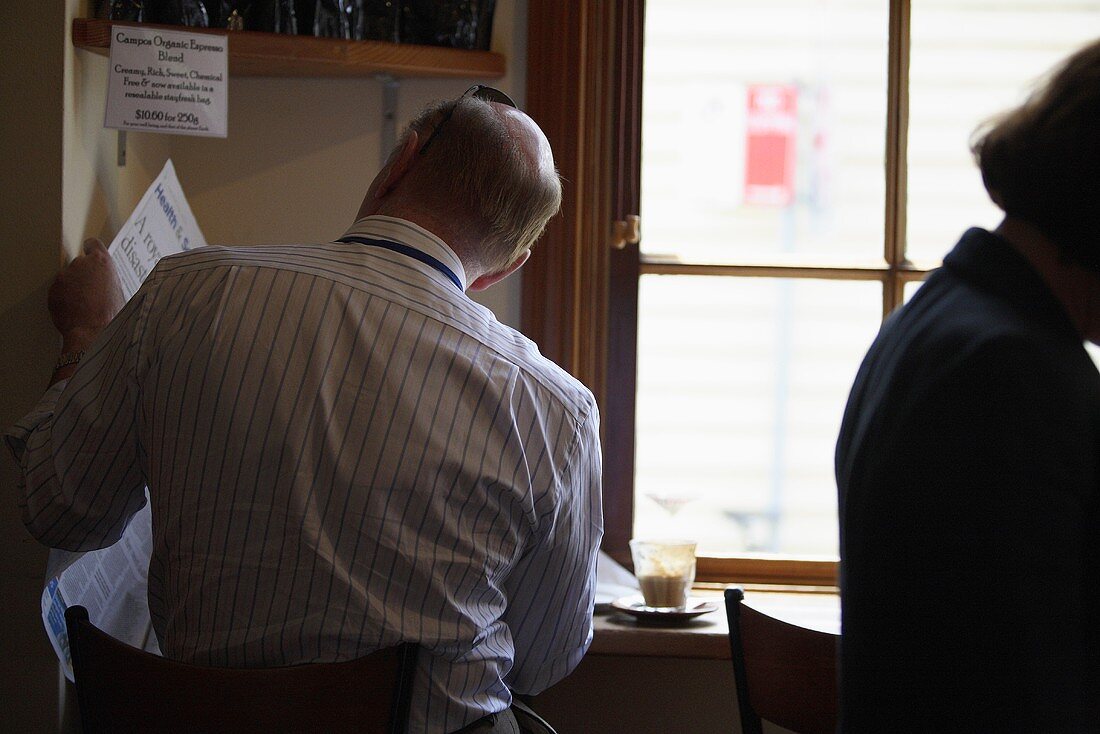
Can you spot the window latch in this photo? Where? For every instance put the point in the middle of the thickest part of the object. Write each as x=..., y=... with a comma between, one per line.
x=626, y=231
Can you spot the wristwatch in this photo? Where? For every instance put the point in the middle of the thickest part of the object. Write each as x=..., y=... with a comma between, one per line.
x=67, y=359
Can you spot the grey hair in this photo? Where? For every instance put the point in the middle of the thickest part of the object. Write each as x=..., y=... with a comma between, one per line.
x=480, y=175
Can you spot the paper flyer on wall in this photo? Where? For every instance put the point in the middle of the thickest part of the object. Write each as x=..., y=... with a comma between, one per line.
x=112, y=582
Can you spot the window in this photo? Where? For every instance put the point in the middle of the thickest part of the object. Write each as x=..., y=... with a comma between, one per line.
x=803, y=166
x=762, y=198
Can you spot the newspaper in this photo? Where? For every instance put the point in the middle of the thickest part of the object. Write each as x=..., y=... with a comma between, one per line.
x=161, y=224
x=112, y=583
x=612, y=582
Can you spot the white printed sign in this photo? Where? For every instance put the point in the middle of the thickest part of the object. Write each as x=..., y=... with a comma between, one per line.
x=168, y=81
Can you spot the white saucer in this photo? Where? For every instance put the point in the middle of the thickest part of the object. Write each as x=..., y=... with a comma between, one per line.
x=635, y=606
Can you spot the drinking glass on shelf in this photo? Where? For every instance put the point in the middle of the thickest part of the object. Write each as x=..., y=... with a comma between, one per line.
x=665, y=570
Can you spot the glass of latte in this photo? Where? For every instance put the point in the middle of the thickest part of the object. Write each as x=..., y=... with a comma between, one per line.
x=665, y=571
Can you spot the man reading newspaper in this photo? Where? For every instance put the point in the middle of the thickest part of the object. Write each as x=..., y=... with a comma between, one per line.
x=342, y=450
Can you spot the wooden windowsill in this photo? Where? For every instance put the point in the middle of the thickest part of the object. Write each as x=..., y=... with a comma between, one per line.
x=707, y=637
x=766, y=569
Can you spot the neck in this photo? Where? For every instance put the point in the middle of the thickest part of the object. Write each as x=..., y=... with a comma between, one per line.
x=448, y=231
x=1077, y=289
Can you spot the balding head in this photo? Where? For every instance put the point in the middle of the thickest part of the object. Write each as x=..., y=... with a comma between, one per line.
x=486, y=182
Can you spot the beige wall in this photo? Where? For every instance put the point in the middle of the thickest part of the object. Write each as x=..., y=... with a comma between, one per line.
x=30, y=193
x=299, y=155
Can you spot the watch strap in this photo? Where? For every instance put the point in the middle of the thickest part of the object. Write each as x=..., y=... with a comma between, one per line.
x=67, y=359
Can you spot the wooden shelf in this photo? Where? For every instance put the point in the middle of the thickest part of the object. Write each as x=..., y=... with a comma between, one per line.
x=276, y=54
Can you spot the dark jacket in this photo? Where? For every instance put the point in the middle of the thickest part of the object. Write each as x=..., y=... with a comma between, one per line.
x=967, y=468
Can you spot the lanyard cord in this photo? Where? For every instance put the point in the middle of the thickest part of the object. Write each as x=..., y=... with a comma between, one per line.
x=409, y=252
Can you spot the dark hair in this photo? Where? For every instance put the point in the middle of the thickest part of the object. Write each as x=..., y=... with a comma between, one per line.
x=1041, y=161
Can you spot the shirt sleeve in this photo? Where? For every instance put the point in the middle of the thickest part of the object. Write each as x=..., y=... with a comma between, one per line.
x=551, y=602
x=80, y=474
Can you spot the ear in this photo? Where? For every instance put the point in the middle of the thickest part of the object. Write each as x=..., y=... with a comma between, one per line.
x=402, y=161
x=489, y=279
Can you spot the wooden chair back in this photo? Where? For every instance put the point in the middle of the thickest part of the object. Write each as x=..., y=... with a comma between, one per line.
x=784, y=673
x=123, y=689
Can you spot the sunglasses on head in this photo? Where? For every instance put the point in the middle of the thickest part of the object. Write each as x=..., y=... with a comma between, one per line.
x=478, y=91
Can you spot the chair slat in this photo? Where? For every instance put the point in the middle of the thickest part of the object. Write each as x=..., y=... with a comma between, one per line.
x=121, y=688
x=785, y=674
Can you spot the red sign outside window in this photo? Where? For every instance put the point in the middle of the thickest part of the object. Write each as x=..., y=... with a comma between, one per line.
x=771, y=132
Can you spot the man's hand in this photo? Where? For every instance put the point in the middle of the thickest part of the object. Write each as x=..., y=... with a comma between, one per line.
x=85, y=296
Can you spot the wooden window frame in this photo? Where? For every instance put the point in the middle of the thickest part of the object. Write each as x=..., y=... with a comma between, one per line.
x=580, y=294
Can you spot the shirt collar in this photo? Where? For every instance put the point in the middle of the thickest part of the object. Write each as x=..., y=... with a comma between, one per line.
x=989, y=260
x=408, y=233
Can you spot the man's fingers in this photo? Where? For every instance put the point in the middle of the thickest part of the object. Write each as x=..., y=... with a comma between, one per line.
x=92, y=244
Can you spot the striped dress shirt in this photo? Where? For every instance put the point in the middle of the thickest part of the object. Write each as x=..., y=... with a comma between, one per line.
x=343, y=452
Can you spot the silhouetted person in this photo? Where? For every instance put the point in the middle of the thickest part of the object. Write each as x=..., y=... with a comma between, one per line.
x=968, y=463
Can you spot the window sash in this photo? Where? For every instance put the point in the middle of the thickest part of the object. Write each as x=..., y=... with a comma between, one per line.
x=580, y=296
